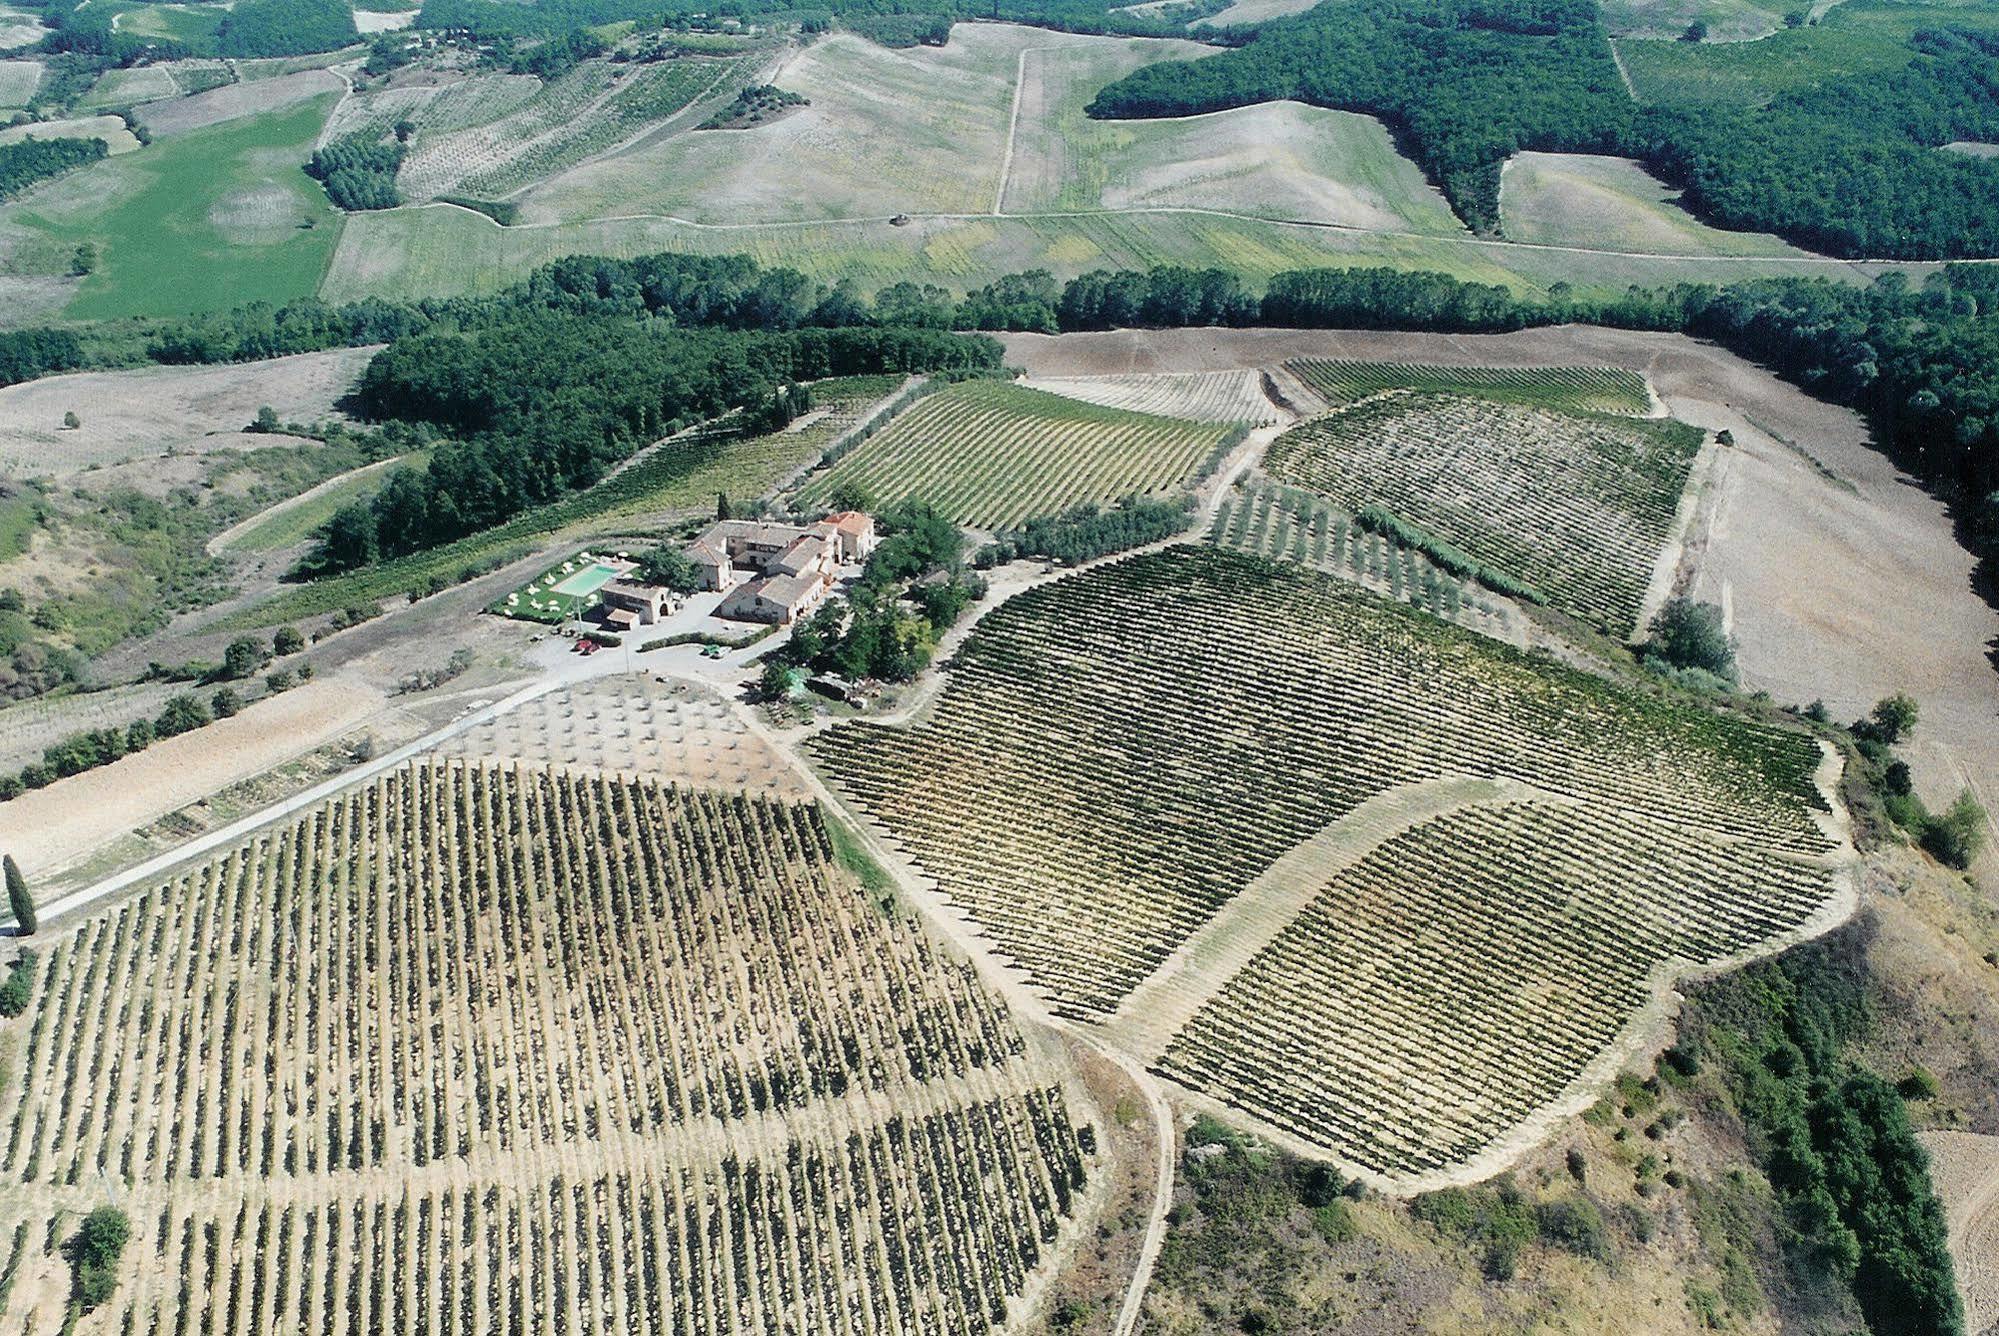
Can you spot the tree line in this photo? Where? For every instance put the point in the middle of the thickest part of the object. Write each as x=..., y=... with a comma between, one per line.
x=1847, y=165
x=1922, y=362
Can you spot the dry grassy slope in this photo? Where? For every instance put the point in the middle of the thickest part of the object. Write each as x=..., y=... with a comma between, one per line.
x=1579, y=199
x=159, y=410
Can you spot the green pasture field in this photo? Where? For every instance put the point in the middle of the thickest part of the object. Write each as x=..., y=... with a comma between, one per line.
x=204, y=221
x=193, y=26
x=1858, y=37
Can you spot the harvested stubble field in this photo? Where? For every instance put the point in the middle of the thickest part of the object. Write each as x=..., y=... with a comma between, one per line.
x=1577, y=507
x=1119, y=757
x=917, y=130
x=236, y=101
x=1194, y=396
x=674, y=732
x=1576, y=389
x=470, y=1050
x=991, y=454
x=1288, y=524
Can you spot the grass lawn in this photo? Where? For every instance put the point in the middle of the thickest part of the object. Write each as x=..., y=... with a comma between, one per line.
x=205, y=221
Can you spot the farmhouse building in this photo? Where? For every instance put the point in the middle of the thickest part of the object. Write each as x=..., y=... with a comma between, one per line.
x=778, y=572
x=642, y=604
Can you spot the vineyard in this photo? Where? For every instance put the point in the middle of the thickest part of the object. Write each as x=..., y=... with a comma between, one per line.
x=558, y=124
x=1436, y=993
x=1193, y=396
x=1576, y=507
x=1577, y=389
x=990, y=454
x=475, y=1050
x=1116, y=754
x=1289, y=524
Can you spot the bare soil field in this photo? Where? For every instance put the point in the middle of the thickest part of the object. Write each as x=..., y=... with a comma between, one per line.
x=110, y=129
x=237, y=100
x=50, y=827
x=1964, y=1166
x=160, y=410
x=634, y=724
x=1840, y=575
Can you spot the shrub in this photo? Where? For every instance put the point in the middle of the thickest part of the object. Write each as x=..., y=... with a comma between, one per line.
x=1576, y=1226
x=1955, y=837
x=1686, y=634
x=94, y=1254
x=18, y=989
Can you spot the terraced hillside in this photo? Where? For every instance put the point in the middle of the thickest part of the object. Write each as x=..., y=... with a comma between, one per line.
x=476, y=1050
x=1136, y=771
x=1583, y=389
x=1577, y=507
x=991, y=454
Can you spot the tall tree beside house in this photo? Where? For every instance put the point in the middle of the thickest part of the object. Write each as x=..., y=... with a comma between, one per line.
x=22, y=903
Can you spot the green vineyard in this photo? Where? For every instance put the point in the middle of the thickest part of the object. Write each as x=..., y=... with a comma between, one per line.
x=991, y=454
x=1118, y=753
x=469, y=1050
x=1575, y=389
x=1436, y=993
x=1290, y=524
x=1575, y=507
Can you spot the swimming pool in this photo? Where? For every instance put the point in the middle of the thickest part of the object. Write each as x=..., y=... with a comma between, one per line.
x=588, y=580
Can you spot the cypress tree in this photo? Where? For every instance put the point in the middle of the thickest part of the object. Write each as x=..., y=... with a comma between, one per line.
x=18, y=898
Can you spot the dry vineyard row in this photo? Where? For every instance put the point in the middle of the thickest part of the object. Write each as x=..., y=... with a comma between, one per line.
x=1121, y=752
x=571, y=1022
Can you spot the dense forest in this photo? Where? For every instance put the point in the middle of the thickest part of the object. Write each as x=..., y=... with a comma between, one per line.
x=32, y=160
x=1847, y=166
x=286, y=27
